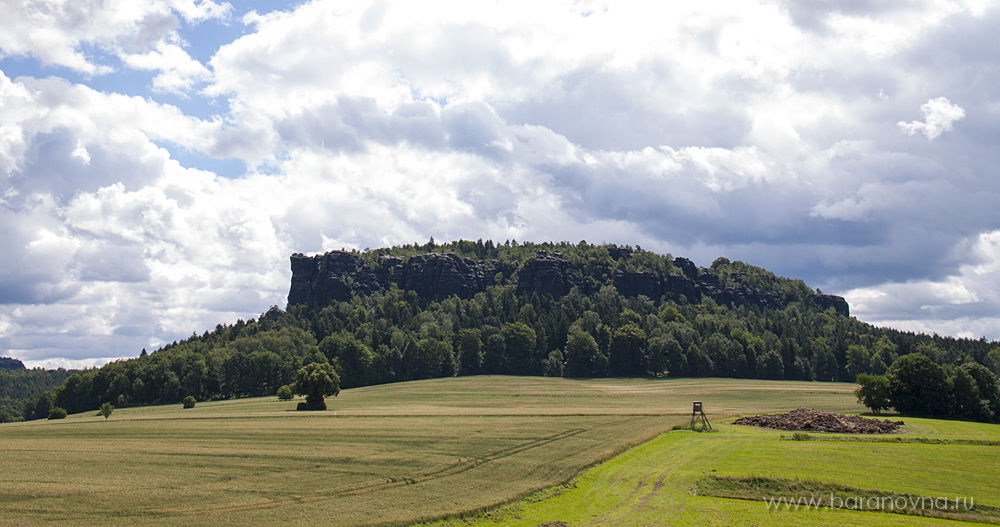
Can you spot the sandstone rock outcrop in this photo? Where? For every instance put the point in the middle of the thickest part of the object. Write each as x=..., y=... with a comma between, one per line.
x=836, y=302
x=435, y=275
x=619, y=252
x=687, y=267
x=329, y=277
x=548, y=274
x=678, y=286
x=638, y=283
x=696, y=283
x=337, y=275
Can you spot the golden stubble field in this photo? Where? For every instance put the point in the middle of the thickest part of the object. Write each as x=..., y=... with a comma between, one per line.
x=390, y=454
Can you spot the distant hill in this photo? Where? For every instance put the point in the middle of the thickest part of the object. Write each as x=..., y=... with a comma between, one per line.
x=20, y=388
x=8, y=363
x=557, y=309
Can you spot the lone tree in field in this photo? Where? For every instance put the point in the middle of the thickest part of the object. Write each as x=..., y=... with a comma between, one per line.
x=285, y=393
x=316, y=381
x=106, y=410
x=189, y=402
x=873, y=391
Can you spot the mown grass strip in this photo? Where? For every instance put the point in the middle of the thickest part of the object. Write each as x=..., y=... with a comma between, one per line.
x=794, y=494
x=864, y=439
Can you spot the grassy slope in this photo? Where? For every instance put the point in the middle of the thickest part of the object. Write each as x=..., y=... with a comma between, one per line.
x=392, y=453
x=652, y=484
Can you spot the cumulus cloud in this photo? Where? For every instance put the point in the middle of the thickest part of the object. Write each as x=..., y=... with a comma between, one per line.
x=765, y=132
x=74, y=34
x=60, y=138
x=86, y=207
x=939, y=115
x=955, y=305
x=129, y=269
x=178, y=71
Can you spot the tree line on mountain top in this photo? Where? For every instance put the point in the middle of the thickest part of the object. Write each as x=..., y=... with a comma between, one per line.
x=395, y=335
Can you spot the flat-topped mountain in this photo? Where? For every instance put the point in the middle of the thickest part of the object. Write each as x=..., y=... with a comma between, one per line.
x=557, y=309
x=336, y=276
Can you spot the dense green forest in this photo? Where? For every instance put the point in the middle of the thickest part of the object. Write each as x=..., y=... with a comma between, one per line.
x=396, y=335
x=20, y=387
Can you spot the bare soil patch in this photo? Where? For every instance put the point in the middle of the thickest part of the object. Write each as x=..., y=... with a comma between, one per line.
x=809, y=420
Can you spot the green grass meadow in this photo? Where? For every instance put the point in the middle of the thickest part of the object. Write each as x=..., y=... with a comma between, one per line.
x=658, y=482
x=408, y=452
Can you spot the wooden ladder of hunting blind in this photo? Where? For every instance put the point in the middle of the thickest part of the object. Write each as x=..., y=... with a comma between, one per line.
x=699, y=421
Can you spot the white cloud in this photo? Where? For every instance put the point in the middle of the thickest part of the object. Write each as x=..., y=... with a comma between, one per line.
x=179, y=72
x=765, y=132
x=146, y=266
x=939, y=115
x=59, y=137
x=75, y=33
x=944, y=306
x=69, y=364
x=104, y=230
x=200, y=10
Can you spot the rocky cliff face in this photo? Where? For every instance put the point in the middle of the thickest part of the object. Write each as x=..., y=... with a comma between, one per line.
x=836, y=302
x=687, y=267
x=548, y=274
x=337, y=275
x=705, y=283
x=329, y=277
x=639, y=283
x=442, y=275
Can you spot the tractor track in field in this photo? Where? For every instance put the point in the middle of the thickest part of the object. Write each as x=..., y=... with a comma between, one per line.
x=643, y=494
x=382, y=484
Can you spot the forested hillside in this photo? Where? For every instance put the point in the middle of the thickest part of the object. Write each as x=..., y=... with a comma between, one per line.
x=20, y=387
x=377, y=320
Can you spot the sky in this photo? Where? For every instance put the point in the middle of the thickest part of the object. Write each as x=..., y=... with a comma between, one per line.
x=161, y=159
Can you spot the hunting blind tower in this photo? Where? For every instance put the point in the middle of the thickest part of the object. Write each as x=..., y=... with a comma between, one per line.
x=699, y=421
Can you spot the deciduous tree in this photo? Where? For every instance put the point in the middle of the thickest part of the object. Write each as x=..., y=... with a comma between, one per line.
x=554, y=366
x=628, y=346
x=582, y=355
x=316, y=381
x=873, y=392
x=918, y=386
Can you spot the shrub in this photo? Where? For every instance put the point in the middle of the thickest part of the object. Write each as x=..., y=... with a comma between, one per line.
x=799, y=436
x=285, y=393
x=189, y=402
x=57, y=413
